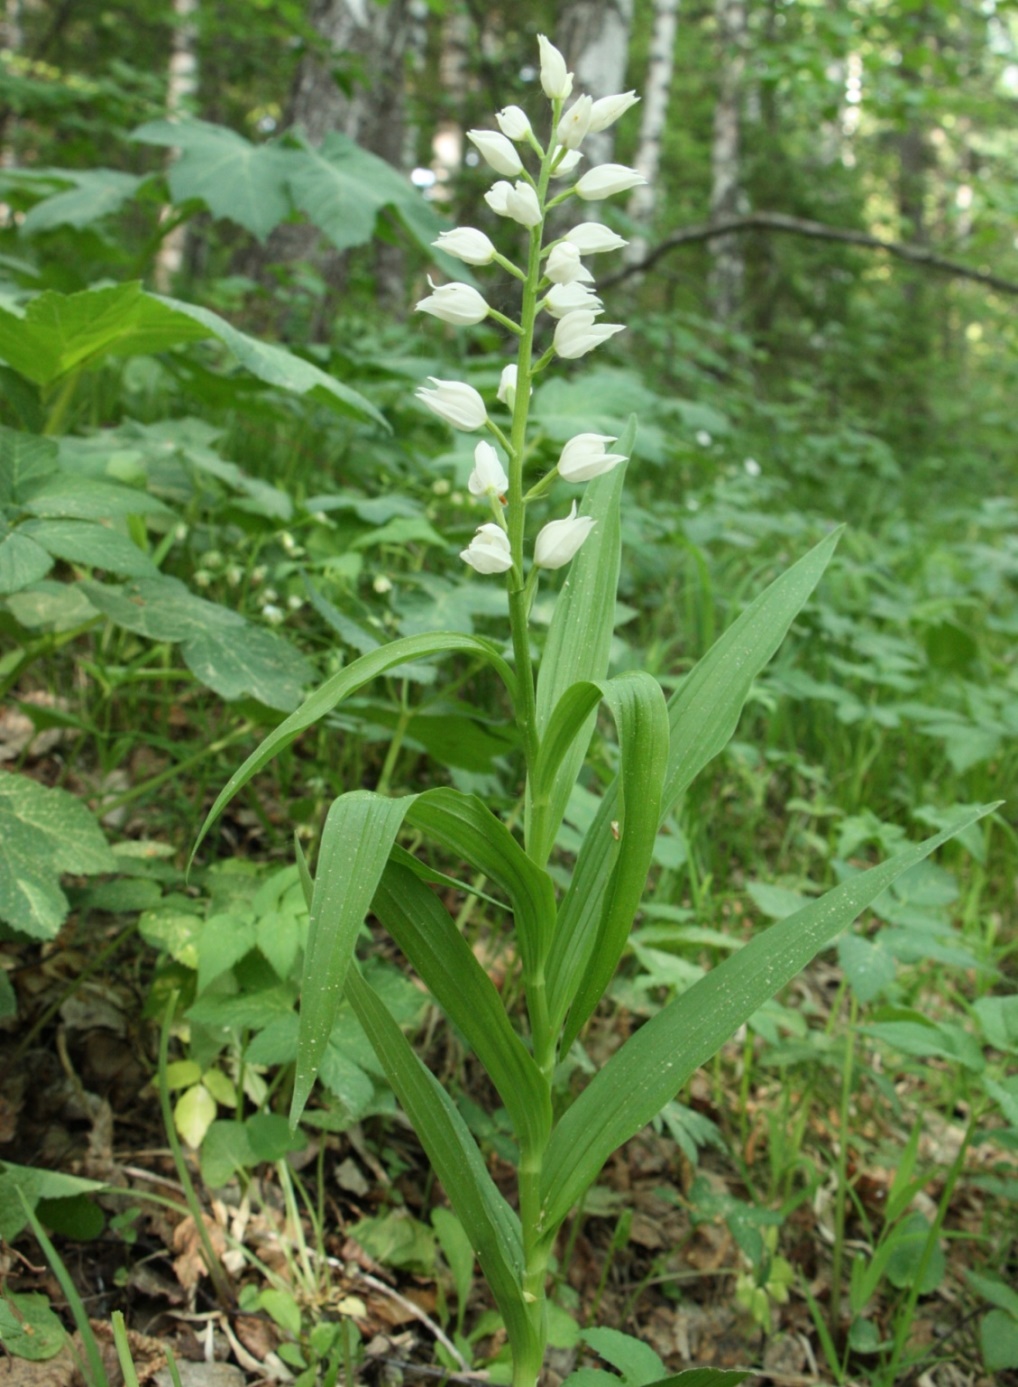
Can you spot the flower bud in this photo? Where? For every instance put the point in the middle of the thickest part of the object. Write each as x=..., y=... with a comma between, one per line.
x=522, y=205
x=584, y=457
x=507, y=386
x=458, y=304
x=565, y=267
x=488, y=551
x=571, y=298
x=575, y=123
x=513, y=123
x=488, y=474
x=497, y=197
x=591, y=238
x=457, y=403
x=466, y=244
x=578, y=333
x=555, y=80
x=559, y=541
x=566, y=164
x=607, y=179
x=497, y=151
x=607, y=111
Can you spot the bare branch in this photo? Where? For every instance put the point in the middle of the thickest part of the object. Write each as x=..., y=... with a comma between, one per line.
x=798, y=226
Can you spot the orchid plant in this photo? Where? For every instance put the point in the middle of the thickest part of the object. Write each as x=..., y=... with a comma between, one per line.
x=568, y=944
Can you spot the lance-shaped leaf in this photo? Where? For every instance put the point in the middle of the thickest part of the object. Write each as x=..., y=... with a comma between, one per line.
x=651, y=1067
x=427, y=934
x=579, y=638
x=346, y=682
x=490, y=1224
x=703, y=713
x=465, y=825
x=356, y=841
x=581, y=965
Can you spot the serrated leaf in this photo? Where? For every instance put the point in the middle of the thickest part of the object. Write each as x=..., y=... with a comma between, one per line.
x=343, y=188
x=22, y=562
x=276, y=366
x=29, y=1328
x=96, y=193
x=237, y=180
x=95, y=546
x=67, y=497
x=60, y=332
x=26, y=461
x=43, y=833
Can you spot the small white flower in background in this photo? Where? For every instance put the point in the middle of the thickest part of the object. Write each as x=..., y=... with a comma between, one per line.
x=571, y=298
x=585, y=457
x=752, y=467
x=703, y=438
x=466, y=244
x=258, y=574
x=522, y=205
x=234, y=575
x=214, y=559
x=559, y=541
x=457, y=403
x=564, y=265
x=507, y=385
x=294, y=603
x=497, y=151
x=455, y=303
x=556, y=81
x=441, y=486
x=605, y=180
x=591, y=238
x=579, y=333
x=202, y=579
x=382, y=585
x=488, y=476
x=273, y=614
x=287, y=540
x=567, y=163
x=488, y=551
x=575, y=123
x=513, y=123
x=497, y=197
x=608, y=109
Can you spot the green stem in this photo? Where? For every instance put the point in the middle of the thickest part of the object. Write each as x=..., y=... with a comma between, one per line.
x=906, y=1313
x=406, y=717
x=61, y=404
x=215, y=1268
x=841, y=1195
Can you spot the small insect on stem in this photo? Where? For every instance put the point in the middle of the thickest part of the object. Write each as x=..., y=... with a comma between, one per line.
x=615, y=830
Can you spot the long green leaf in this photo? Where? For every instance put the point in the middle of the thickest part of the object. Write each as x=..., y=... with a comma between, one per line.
x=344, y=683
x=652, y=1065
x=580, y=635
x=465, y=824
x=427, y=934
x=359, y=833
x=703, y=713
x=581, y=964
x=490, y=1224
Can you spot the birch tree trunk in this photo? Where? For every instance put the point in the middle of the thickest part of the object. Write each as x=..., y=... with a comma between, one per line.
x=656, y=92
x=728, y=272
x=181, y=88
x=594, y=37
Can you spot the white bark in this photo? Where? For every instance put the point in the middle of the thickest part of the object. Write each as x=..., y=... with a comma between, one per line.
x=181, y=88
x=654, y=114
x=727, y=199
